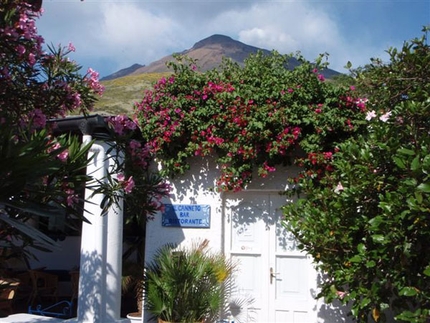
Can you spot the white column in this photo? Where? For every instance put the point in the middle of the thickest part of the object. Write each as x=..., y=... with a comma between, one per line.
x=99, y=299
x=92, y=273
x=114, y=247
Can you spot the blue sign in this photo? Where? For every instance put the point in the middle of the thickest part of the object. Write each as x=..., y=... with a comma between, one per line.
x=186, y=215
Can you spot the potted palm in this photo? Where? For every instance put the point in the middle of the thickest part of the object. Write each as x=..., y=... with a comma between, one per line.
x=186, y=285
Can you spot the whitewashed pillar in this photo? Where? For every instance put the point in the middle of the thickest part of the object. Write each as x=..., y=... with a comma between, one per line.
x=99, y=299
x=114, y=246
x=92, y=272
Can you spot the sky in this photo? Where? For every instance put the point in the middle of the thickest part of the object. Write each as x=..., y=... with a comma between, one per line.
x=110, y=35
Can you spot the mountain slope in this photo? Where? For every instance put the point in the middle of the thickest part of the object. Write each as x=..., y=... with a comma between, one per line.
x=123, y=72
x=209, y=53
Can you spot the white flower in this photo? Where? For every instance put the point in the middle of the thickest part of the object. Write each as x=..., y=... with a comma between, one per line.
x=370, y=115
x=385, y=116
x=338, y=188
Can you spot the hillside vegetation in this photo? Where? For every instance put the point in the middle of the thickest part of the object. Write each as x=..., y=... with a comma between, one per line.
x=121, y=93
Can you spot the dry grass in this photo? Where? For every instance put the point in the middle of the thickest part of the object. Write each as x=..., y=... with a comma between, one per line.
x=121, y=93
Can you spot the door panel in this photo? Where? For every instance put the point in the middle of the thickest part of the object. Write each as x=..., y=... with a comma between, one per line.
x=274, y=278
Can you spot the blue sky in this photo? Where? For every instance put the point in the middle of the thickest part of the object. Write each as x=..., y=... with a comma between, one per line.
x=111, y=35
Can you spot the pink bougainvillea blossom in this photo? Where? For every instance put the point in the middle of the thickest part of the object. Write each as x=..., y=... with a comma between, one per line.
x=361, y=103
x=321, y=77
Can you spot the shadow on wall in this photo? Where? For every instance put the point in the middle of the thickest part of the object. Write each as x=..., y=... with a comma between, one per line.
x=199, y=181
x=196, y=186
x=334, y=312
x=90, y=304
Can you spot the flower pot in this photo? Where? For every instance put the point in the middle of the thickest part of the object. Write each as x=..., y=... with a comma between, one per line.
x=161, y=321
x=135, y=317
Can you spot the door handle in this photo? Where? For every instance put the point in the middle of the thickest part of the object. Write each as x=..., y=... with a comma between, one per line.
x=272, y=275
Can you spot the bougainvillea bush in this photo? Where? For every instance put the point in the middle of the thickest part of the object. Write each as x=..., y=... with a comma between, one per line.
x=367, y=222
x=251, y=118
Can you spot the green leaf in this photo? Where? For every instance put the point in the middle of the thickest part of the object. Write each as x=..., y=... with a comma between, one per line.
x=427, y=271
x=419, y=197
x=426, y=164
x=399, y=162
x=356, y=258
x=361, y=248
x=376, y=221
x=370, y=264
x=378, y=238
x=408, y=291
x=405, y=151
x=424, y=187
x=415, y=165
x=365, y=301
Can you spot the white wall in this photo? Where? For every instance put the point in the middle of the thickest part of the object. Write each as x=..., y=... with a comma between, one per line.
x=65, y=258
x=197, y=188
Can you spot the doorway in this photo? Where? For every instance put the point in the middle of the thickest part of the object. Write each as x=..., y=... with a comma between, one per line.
x=275, y=282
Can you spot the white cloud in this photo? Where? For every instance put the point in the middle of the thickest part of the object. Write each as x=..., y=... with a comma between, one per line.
x=287, y=27
x=130, y=33
x=113, y=34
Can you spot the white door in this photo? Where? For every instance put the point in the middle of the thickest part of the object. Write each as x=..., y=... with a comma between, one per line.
x=274, y=282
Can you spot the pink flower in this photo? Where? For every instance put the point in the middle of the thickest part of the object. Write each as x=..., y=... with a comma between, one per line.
x=339, y=188
x=269, y=168
x=20, y=49
x=38, y=118
x=134, y=144
x=72, y=198
x=328, y=155
x=71, y=48
x=385, y=116
x=127, y=185
x=92, y=79
x=63, y=156
x=341, y=294
x=121, y=177
x=31, y=59
x=370, y=115
x=122, y=124
x=361, y=103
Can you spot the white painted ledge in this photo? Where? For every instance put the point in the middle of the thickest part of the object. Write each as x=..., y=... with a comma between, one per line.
x=29, y=318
